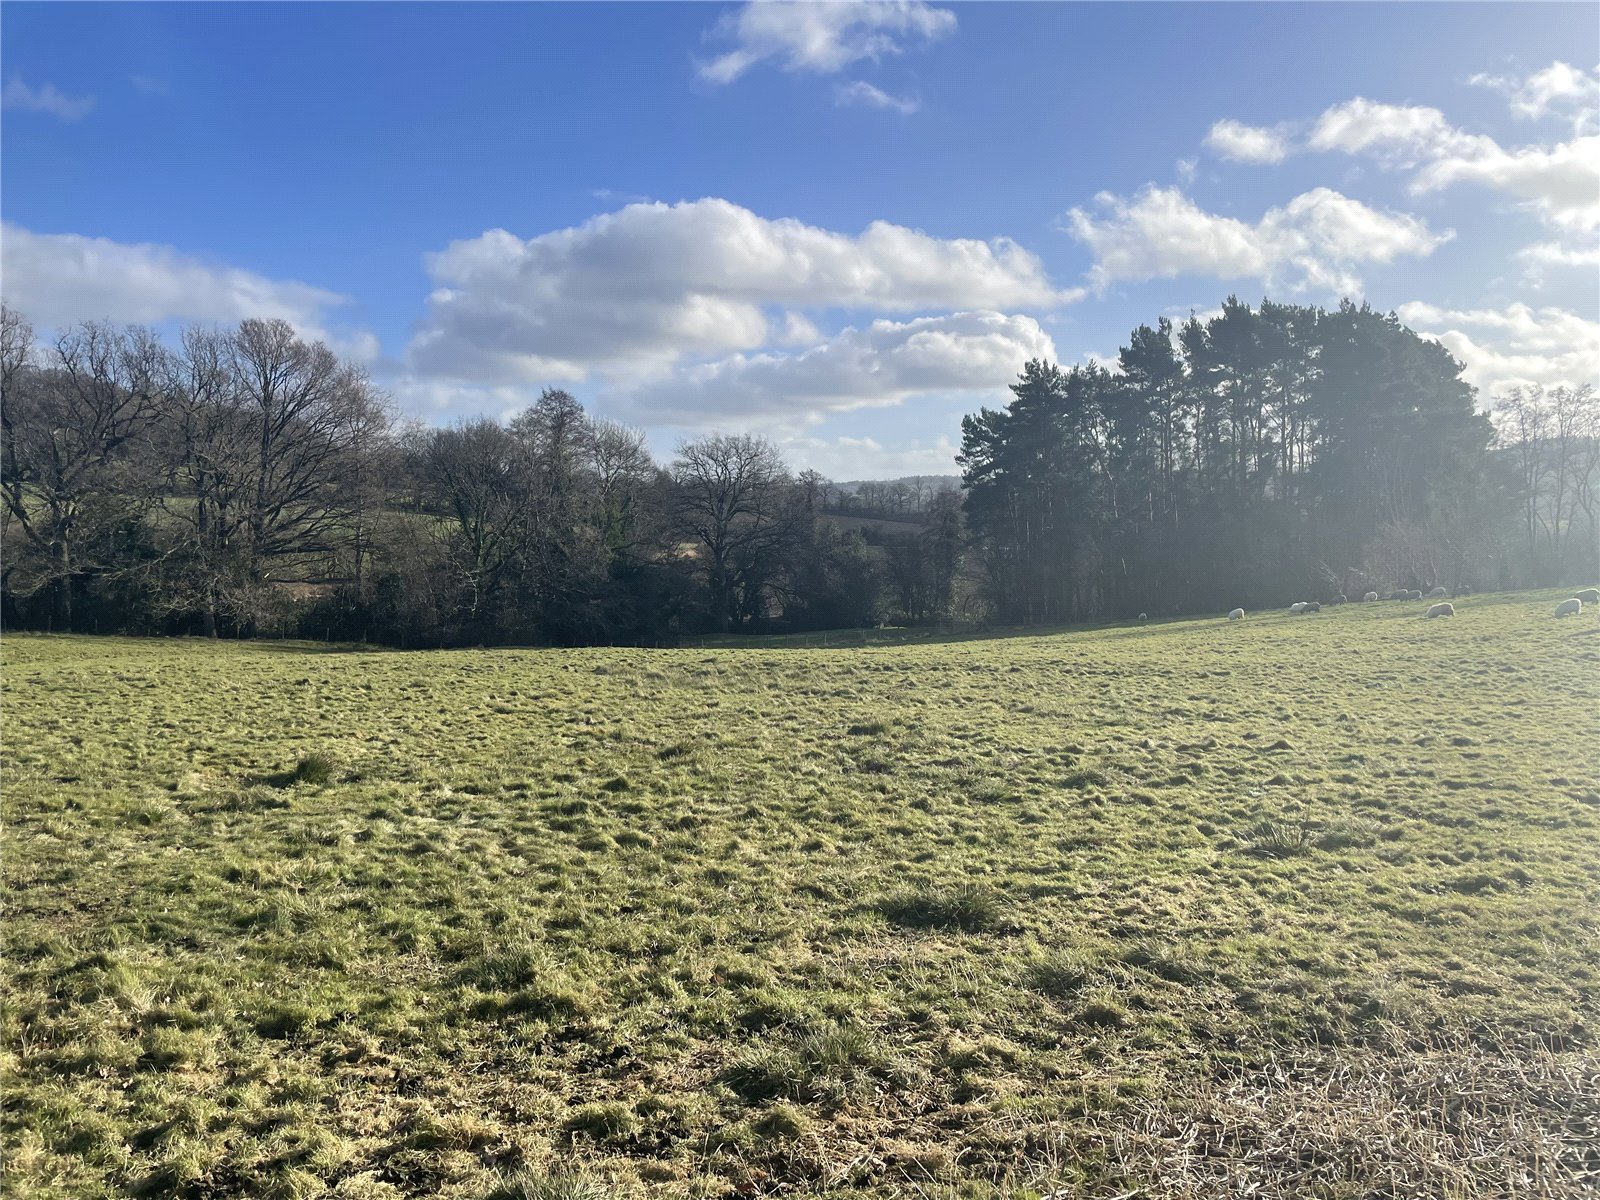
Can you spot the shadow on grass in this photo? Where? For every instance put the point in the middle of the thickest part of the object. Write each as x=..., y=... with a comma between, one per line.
x=316, y=768
x=274, y=779
x=287, y=646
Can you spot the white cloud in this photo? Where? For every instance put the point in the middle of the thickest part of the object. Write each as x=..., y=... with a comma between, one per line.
x=443, y=400
x=821, y=37
x=1560, y=183
x=1560, y=89
x=612, y=196
x=861, y=92
x=797, y=330
x=56, y=279
x=633, y=291
x=47, y=99
x=1555, y=254
x=1513, y=346
x=1400, y=134
x=847, y=457
x=881, y=364
x=1314, y=241
x=1248, y=143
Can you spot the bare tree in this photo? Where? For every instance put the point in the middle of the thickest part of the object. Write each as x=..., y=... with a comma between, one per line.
x=269, y=445
x=556, y=545
x=307, y=412
x=1524, y=428
x=470, y=472
x=1568, y=429
x=16, y=351
x=207, y=447
x=623, y=473
x=735, y=500
x=1586, y=468
x=1553, y=440
x=68, y=427
x=16, y=345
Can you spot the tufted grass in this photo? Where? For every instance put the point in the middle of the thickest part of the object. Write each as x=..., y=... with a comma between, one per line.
x=1306, y=906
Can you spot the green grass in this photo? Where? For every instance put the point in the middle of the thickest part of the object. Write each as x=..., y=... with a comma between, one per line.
x=1309, y=905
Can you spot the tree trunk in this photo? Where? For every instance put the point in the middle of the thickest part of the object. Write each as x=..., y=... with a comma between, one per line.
x=62, y=618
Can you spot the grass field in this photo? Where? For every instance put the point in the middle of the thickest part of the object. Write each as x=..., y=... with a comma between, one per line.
x=1305, y=905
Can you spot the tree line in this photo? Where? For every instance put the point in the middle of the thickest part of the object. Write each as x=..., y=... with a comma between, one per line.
x=247, y=482
x=1271, y=454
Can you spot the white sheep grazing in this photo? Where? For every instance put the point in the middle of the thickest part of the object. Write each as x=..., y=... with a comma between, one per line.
x=1438, y=591
x=1569, y=607
x=1413, y=594
x=1589, y=596
x=1442, y=610
x=1144, y=616
x=1297, y=608
x=1236, y=615
x=1369, y=597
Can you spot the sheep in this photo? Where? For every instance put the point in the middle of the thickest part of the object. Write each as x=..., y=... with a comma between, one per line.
x=1463, y=590
x=1442, y=610
x=1398, y=595
x=1144, y=616
x=1236, y=615
x=1369, y=597
x=1313, y=607
x=1570, y=607
x=1413, y=595
x=1438, y=591
x=1589, y=596
x=1297, y=608
x=1339, y=599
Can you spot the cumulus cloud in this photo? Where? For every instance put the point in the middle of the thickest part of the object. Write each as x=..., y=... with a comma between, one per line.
x=882, y=363
x=1555, y=254
x=1513, y=346
x=821, y=37
x=797, y=329
x=1399, y=133
x=861, y=92
x=1559, y=89
x=636, y=290
x=1314, y=241
x=47, y=99
x=1560, y=184
x=57, y=279
x=1248, y=143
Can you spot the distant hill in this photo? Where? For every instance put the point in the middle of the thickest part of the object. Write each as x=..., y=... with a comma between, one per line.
x=908, y=498
x=932, y=482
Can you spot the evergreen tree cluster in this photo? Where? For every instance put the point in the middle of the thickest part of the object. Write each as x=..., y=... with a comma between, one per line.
x=1262, y=456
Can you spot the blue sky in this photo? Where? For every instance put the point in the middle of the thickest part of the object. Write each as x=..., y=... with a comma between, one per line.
x=839, y=225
